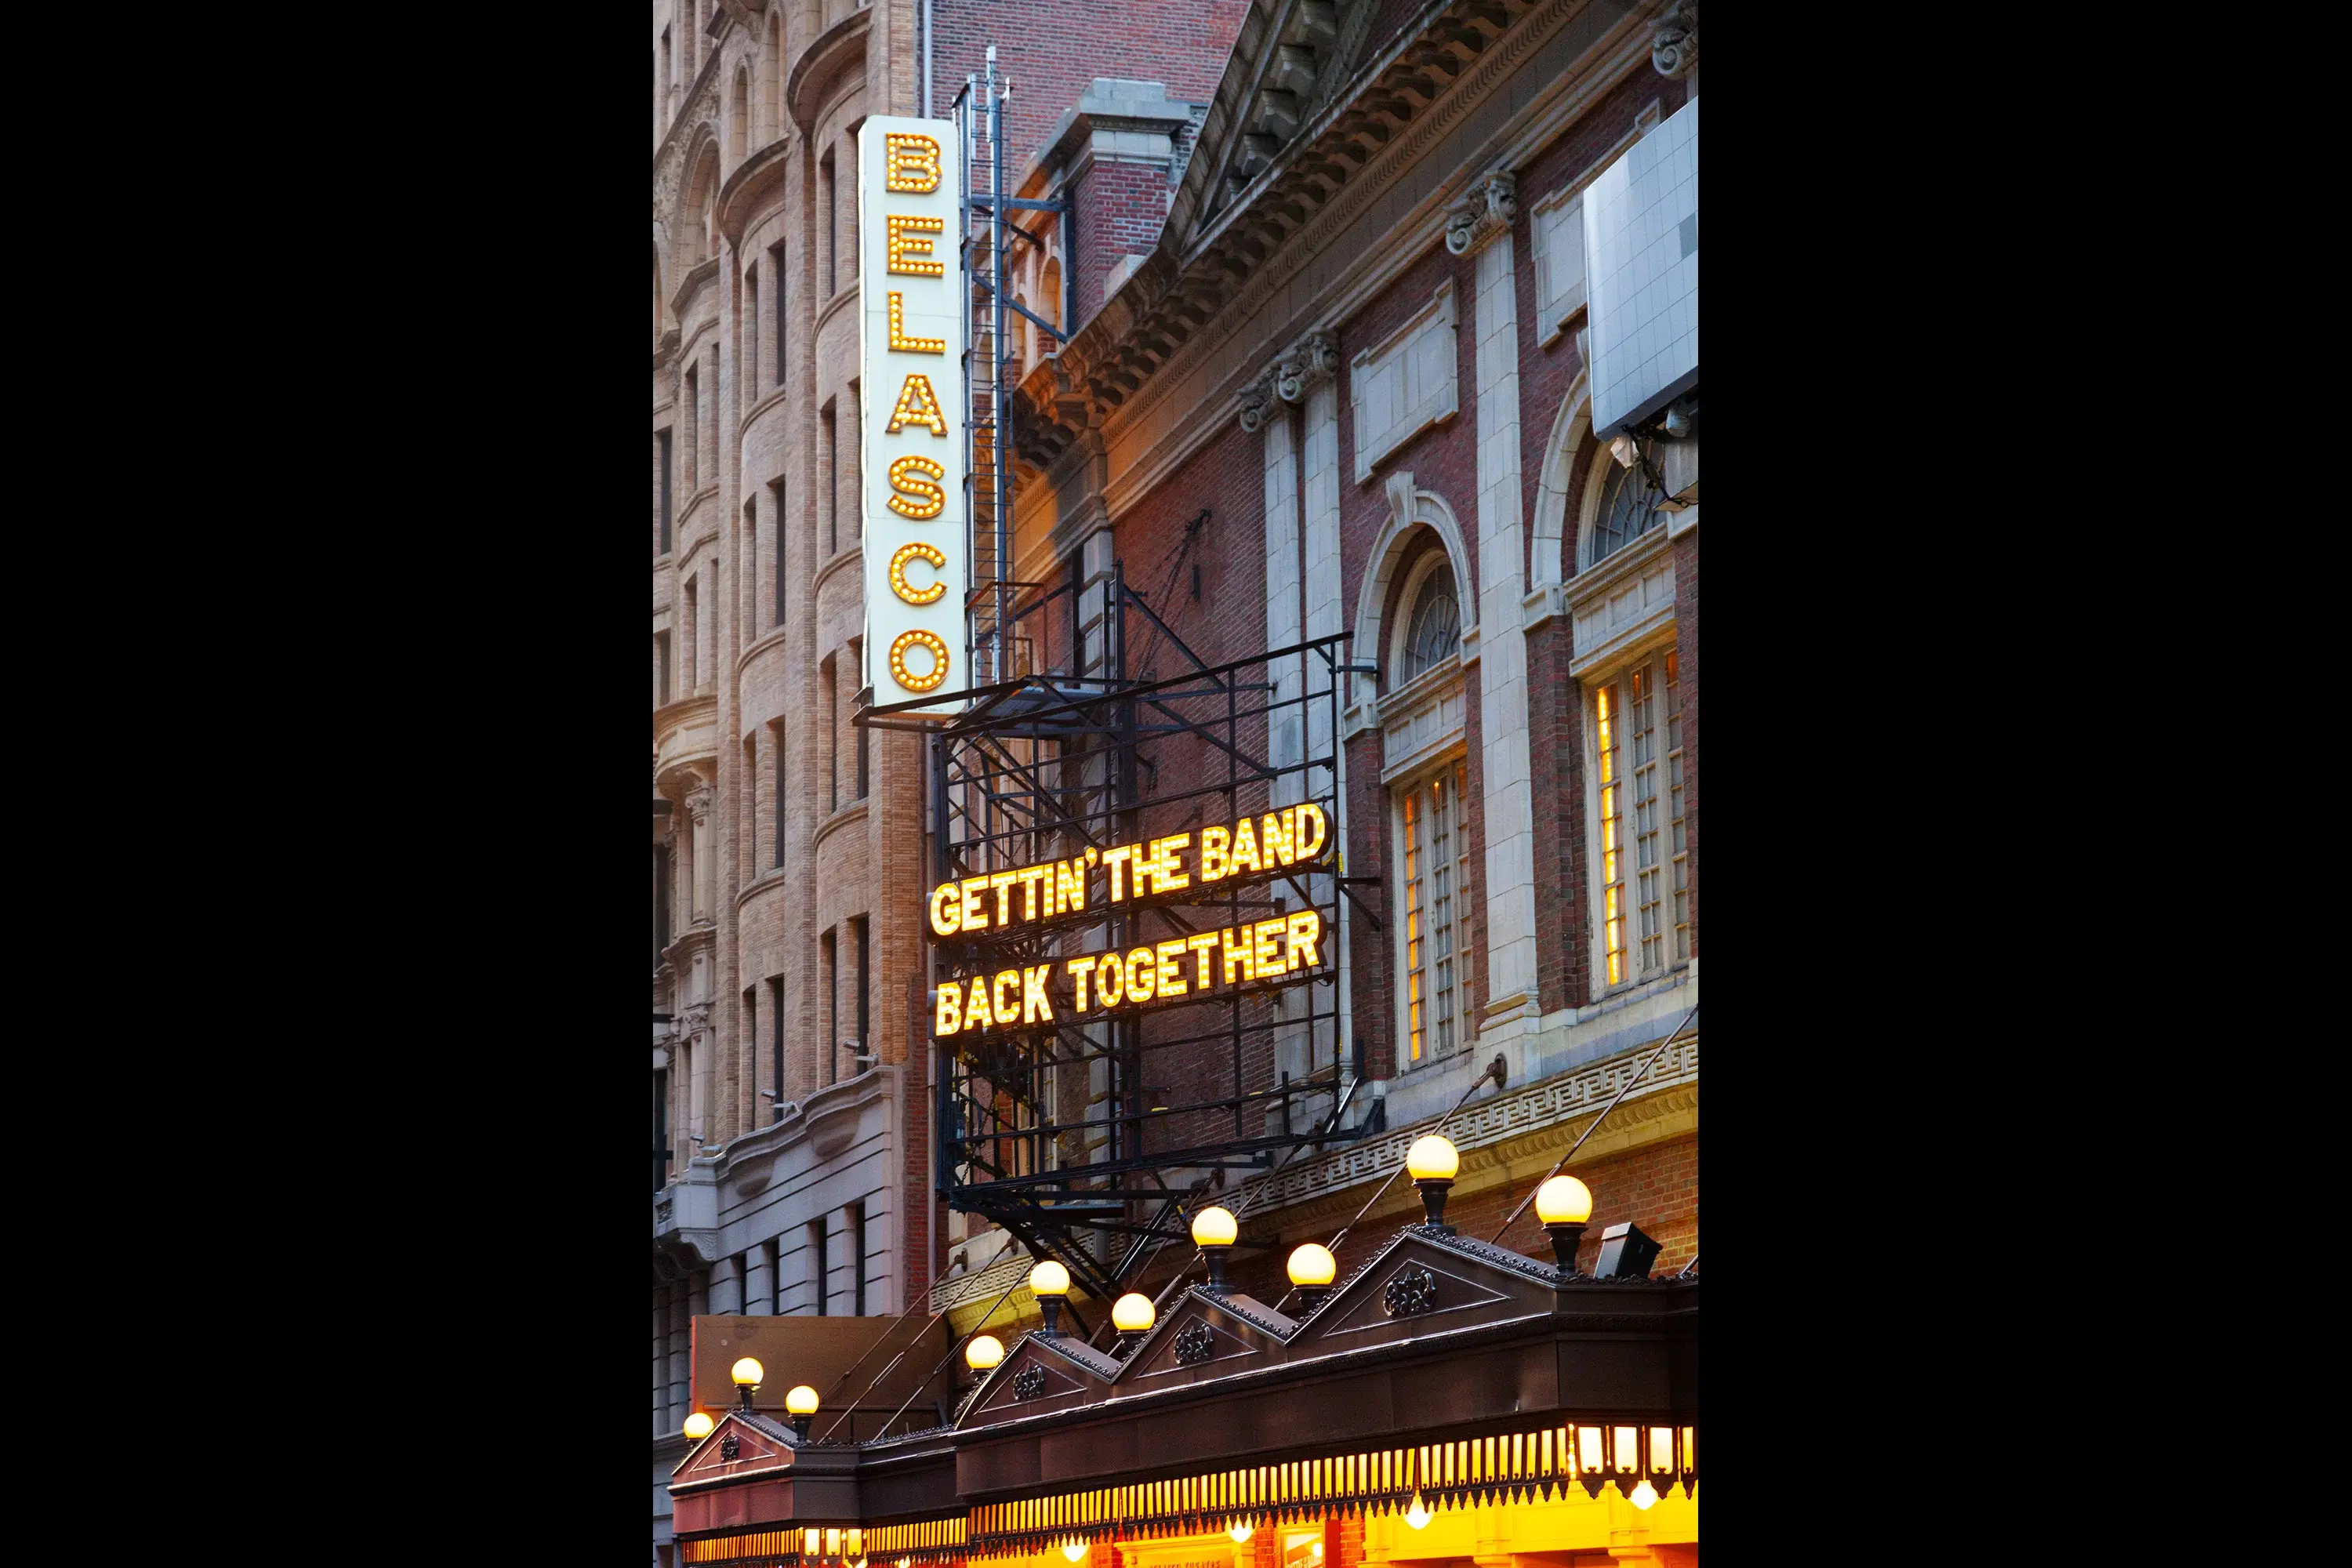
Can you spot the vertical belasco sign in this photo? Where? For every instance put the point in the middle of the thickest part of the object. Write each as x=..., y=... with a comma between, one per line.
x=910, y=338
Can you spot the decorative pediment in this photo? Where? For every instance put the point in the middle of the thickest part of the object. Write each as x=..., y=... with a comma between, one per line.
x=1041, y=1373
x=1204, y=1337
x=1423, y=1283
x=737, y=1446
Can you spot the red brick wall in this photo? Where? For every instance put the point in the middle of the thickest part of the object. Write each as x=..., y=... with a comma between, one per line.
x=1226, y=621
x=1053, y=48
x=1121, y=209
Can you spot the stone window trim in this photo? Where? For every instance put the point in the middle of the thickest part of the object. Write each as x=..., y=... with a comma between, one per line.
x=1410, y=507
x=1424, y=395
x=1561, y=302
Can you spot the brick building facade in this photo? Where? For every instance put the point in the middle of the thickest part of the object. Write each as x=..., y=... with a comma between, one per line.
x=1315, y=289
x=1358, y=340
x=790, y=1167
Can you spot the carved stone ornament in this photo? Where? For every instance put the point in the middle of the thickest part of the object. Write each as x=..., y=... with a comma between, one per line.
x=1030, y=1383
x=698, y=803
x=1314, y=358
x=728, y=1447
x=1412, y=1290
x=1195, y=1344
x=1485, y=212
x=694, y=1019
x=1256, y=398
x=1674, y=39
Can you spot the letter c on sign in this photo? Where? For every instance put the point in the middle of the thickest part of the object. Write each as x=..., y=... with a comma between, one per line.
x=915, y=552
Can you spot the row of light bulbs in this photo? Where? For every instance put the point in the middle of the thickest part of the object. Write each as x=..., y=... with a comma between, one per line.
x=1563, y=1204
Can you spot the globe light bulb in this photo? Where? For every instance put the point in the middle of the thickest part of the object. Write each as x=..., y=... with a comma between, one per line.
x=802, y=1401
x=1049, y=1279
x=1132, y=1313
x=1241, y=1532
x=1563, y=1200
x=984, y=1351
x=1417, y=1516
x=698, y=1426
x=1214, y=1227
x=1312, y=1264
x=1431, y=1159
x=1644, y=1496
x=748, y=1374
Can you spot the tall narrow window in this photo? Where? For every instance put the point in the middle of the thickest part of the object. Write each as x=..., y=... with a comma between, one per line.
x=858, y=928
x=693, y=425
x=776, y=743
x=661, y=900
x=776, y=508
x=751, y=335
x=832, y=1008
x=825, y=683
x=661, y=1127
x=776, y=1047
x=751, y=1058
x=820, y=1277
x=857, y=1251
x=831, y=455
x=1436, y=949
x=864, y=736
x=666, y=502
x=776, y=271
x=825, y=185
x=772, y=1254
x=1638, y=770
x=855, y=465
x=690, y=663
x=662, y=688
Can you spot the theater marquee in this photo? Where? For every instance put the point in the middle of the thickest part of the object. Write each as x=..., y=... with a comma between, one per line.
x=912, y=424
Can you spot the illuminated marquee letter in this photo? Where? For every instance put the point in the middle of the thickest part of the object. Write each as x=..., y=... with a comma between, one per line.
x=938, y=649
x=914, y=163
x=915, y=491
x=899, y=342
x=1311, y=813
x=907, y=240
x=917, y=404
x=949, y=1018
x=946, y=912
x=914, y=595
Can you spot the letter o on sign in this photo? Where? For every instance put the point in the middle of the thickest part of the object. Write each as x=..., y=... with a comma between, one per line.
x=929, y=641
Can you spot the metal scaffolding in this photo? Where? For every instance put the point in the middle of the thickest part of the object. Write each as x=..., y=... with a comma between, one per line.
x=1088, y=1137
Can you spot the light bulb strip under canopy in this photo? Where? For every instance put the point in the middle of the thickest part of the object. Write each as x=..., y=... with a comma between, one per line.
x=1511, y=1467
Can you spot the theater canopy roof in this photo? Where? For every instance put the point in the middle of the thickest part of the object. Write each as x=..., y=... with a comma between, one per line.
x=1445, y=1365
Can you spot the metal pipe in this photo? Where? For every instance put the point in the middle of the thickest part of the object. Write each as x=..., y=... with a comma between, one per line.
x=927, y=60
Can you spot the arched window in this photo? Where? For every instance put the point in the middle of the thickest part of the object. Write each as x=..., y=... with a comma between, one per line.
x=1628, y=509
x=1434, y=630
x=738, y=131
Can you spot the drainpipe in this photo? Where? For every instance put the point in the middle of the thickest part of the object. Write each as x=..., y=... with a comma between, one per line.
x=927, y=58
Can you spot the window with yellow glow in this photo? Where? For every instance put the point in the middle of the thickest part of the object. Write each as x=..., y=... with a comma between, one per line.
x=1436, y=878
x=1642, y=882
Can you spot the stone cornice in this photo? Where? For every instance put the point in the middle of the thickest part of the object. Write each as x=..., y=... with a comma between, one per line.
x=752, y=180
x=828, y=50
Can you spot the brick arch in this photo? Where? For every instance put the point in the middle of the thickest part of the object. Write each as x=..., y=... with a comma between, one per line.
x=687, y=226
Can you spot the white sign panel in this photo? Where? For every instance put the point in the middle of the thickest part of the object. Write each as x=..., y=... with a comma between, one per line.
x=910, y=342
x=1641, y=268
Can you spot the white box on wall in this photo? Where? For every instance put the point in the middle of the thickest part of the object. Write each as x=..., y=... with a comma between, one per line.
x=1641, y=268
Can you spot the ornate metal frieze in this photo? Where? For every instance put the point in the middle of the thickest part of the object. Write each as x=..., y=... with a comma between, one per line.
x=1488, y=211
x=728, y=1447
x=1030, y=1383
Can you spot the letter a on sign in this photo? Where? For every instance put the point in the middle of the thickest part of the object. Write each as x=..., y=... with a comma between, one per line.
x=911, y=301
